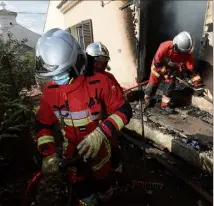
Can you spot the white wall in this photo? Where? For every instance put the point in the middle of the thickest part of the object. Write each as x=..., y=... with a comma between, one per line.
x=21, y=32
x=111, y=28
x=6, y=21
x=54, y=18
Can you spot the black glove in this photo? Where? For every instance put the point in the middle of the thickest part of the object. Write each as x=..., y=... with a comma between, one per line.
x=168, y=63
x=199, y=92
x=134, y=95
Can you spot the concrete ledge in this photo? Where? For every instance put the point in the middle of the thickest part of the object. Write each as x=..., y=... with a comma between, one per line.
x=174, y=145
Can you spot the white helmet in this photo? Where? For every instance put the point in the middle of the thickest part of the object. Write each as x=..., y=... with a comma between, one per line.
x=97, y=49
x=183, y=42
x=57, y=52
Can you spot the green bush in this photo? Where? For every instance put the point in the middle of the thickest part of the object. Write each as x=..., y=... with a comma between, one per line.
x=16, y=108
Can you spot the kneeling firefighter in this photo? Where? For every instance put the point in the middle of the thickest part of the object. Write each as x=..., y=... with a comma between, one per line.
x=173, y=58
x=76, y=98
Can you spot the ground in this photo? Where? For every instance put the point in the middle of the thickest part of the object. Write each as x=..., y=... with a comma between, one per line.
x=148, y=184
x=152, y=184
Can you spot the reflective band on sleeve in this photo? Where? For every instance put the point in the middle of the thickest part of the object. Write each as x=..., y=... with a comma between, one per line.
x=45, y=139
x=154, y=72
x=196, y=78
x=117, y=120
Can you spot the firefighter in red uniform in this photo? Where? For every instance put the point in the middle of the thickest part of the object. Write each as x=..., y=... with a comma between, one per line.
x=77, y=98
x=171, y=59
x=100, y=54
x=98, y=57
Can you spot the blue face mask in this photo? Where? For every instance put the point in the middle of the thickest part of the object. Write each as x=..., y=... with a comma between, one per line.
x=62, y=79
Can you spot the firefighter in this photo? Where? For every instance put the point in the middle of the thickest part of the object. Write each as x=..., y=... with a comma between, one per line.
x=99, y=55
x=76, y=99
x=172, y=59
x=98, y=58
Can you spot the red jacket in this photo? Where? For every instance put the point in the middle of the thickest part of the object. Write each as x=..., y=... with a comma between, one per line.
x=111, y=76
x=78, y=106
x=166, y=50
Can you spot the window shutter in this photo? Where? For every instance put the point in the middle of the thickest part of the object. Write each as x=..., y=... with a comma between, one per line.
x=87, y=32
x=68, y=30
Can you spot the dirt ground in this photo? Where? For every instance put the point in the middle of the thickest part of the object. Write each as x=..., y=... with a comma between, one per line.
x=152, y=184
x=148, y=184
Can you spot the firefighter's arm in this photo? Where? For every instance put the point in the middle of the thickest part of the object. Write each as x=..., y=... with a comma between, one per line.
x=44, y=134
x=160, y=56
x=195, y=77
x=120, y=113
x=119, y=110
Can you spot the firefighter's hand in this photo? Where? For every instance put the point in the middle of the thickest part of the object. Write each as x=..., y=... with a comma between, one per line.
x=167, y=62
x=92, y=143
x=199, y=92
x=50, y=164
x=172, y=64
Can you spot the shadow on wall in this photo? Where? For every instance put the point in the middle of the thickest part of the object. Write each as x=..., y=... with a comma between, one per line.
x=130, y=30
x=154, y=34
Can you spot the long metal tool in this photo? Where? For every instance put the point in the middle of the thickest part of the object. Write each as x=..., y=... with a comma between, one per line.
x=188, y=85
x=139, y=65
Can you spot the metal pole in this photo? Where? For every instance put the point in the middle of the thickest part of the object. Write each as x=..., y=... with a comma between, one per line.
x=139, y=64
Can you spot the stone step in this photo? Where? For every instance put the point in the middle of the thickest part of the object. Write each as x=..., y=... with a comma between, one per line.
x=182, y=134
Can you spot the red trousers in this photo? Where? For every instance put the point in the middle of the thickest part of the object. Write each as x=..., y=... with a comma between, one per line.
x=100, y=165
x=156, y=76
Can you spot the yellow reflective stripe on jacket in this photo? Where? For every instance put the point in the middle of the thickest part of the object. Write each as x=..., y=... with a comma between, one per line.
x=196, y=78
x=117, y=120
x=45, y=139
x=106, y=159
x=154, y=72
x=77, y=122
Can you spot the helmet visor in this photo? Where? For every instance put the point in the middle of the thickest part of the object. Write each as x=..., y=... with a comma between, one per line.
x=101, y=59
x=42, y=67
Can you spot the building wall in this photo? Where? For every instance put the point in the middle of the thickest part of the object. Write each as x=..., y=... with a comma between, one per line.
x=21, y=32
x=54, y=18
x=206, y=61
x=7, y=21
x=8, y=24
x=110, y=26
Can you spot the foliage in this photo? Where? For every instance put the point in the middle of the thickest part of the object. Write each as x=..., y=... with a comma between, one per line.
x=16, y=116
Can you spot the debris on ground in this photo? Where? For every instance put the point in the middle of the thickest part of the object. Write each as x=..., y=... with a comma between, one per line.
x=192, y=130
